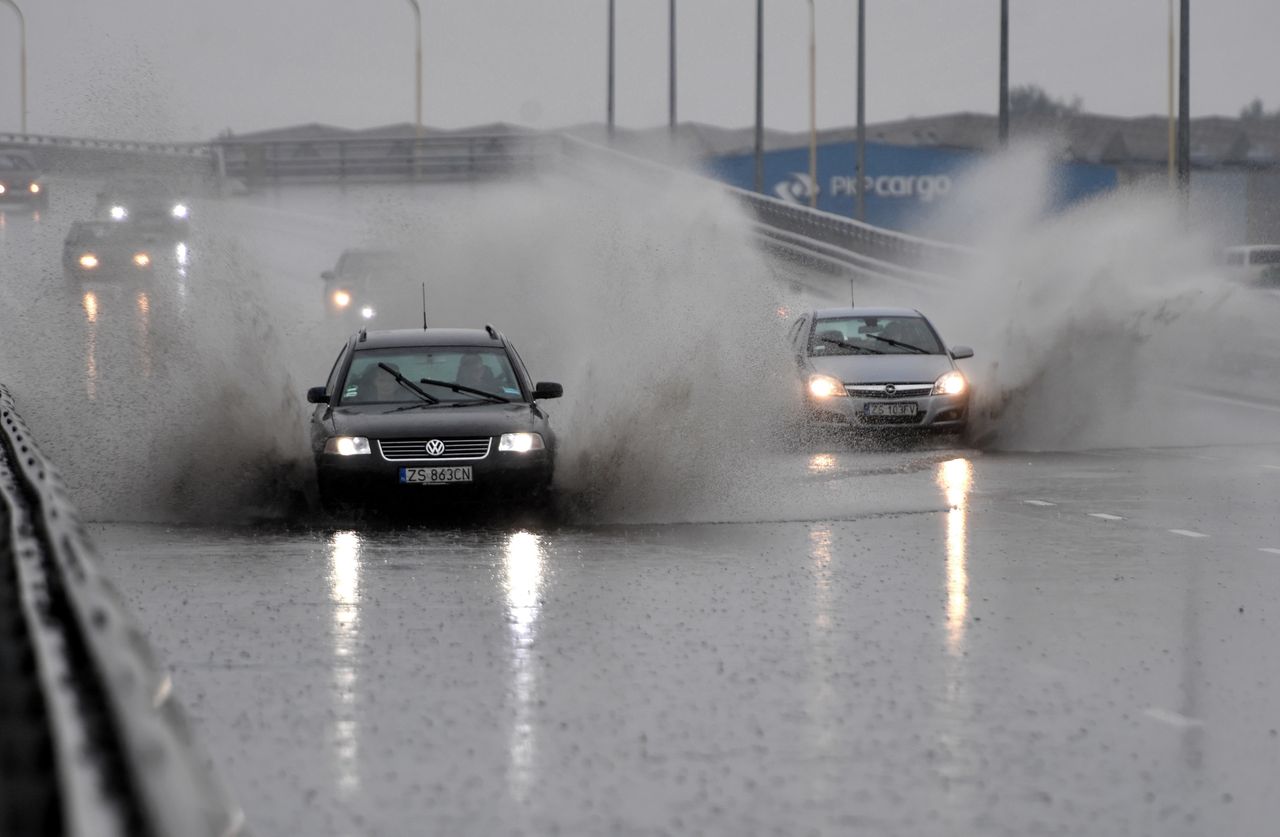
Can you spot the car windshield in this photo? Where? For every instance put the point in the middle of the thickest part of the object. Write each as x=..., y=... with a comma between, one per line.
x=477, y=367
x=873, y=335
x=16, y=162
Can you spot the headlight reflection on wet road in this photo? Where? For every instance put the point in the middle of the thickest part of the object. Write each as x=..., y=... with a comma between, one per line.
x=955, y=478
x=90, y=302
x=344, y=595
x=524, y=564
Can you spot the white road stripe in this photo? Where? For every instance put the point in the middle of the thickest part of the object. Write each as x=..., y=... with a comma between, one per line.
x=1038, y=503
x=1269, y=549
x=1187, y=533
x=1168, y=716
x=1102, y=516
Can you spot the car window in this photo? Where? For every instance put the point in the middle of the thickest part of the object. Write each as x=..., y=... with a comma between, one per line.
x=478, y=367
x=873, y=335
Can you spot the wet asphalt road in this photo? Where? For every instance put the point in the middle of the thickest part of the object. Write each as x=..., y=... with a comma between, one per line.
x=1052, y=644
x=820, y=640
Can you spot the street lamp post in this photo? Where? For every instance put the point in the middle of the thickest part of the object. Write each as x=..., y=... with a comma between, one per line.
x=1004, y=72
x=813, y=107
x=1173, y=85
x=671, y=69
x=1184, y=105
x=22, y=58
x=609, y=97
x=860, y=170
x=417, y=76
x=759, y=152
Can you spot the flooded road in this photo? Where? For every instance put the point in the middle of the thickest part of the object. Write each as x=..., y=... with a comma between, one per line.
x=1029, y=644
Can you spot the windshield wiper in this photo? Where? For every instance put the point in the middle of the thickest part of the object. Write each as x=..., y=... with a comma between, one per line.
x=900, y=344
x=468, y=390
x=845, y=345
x=408, y=384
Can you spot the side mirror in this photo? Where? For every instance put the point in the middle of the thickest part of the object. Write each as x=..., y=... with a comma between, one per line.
x=317, y=395
x=328, y=276
x=546, y=389
x=961, y=352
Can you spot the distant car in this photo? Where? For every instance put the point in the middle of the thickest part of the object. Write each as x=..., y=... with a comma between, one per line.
x=1258, y=264
x=425, y=416
x=21, y=180
x=103, y=248
x=879, y=368
x=368, y=282
x=145, y=202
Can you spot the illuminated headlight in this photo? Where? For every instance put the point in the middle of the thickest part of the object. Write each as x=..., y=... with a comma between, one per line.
x=520, y=442
x=88, y=261
x=825, y=386
x=951, y=383
x=3, y=189
x=341, y=299
x=367, y=312
x=347, y=445
x=141, y=259
x=181, y=253
x=35, y=188
x=119, y=213
x=180, y=210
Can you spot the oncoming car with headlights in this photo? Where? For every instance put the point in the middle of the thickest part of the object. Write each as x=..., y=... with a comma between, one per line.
x=369, y=285
x=100, y=248
x=879, y=368
x=21, y=181
x=422, y=417
x=146, y=202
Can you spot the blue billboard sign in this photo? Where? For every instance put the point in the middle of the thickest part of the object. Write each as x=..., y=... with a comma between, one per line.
x=903, y=183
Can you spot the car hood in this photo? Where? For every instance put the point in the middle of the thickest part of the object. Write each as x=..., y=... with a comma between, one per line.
x=381, y=421
x=883, y=369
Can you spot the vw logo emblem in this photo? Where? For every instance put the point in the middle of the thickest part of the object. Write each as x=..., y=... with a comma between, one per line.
x=890, y=389
x=435, y=447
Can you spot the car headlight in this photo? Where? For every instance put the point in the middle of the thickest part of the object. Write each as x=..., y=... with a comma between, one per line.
x=141, y=259
x=35, y=188
x=951, y=383
x=367, y=312
x=341, y=299
x=180, y=210
x=88, y=261
x=825, y=386
x=520, y=442
x=119, y=213
x=347, y=445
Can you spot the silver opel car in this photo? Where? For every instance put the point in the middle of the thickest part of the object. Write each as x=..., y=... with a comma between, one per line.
x=879, y=368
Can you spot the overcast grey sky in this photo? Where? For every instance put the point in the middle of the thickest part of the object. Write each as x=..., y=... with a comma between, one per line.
x=184, y=69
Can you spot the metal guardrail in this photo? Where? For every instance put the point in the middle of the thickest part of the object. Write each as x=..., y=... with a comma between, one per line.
x=174, y=149
x=449, y=157
x=125, y=759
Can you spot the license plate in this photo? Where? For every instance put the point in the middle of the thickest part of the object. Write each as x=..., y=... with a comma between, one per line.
x=434, y=476
x=908, y=409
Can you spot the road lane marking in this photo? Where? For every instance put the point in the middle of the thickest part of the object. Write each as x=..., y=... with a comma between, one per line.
x=1104, y=516
x=1168, y=716
x=1038, y=503
x=1269, y=549
x=1187, y=533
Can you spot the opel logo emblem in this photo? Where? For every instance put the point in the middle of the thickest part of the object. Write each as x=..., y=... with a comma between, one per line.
x=890, y=389
x=435, y=447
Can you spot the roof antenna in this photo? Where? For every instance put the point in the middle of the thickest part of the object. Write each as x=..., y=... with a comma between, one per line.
x=424, y=306
x=852, y=302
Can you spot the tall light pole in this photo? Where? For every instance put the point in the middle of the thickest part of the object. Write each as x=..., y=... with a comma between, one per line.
x=759, y=95
x=1004, y=72
x=22, y=59
x=671, y=69
x=813, y=107
x=417, y=75
x=1184, y=106
x=609, y=97
x=1173, y=86
x=860, y=169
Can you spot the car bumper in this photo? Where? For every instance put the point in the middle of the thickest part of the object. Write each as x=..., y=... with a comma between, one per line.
x=933, y=412
x=370, y=477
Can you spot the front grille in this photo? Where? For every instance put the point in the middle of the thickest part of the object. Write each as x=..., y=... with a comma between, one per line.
x=878, y=390
x=916, y=419
x=415, y=450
